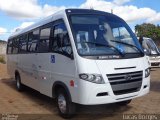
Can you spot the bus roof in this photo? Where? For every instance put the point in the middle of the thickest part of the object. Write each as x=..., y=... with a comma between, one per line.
x=59, y=13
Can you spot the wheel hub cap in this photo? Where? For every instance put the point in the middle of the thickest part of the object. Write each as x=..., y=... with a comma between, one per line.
x=62, y=103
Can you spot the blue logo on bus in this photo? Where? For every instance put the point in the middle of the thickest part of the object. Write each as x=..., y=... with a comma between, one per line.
x=52, y=58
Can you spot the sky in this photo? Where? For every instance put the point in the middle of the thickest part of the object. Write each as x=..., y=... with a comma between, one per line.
x=18, y=14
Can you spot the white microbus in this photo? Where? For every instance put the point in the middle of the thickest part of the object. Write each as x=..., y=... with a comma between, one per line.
x=79, y=56
x=152, y=51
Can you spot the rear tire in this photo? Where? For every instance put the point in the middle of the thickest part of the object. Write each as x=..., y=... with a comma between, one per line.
x=19, y=85
x=66, y=108
x=124, y=103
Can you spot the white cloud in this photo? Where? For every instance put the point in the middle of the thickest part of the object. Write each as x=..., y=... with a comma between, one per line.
x=23, y=25
x=98, y=5
x=48, y=10
x=129, y=13
x=120, y=2
x=3, y=31
x=154, y=19
x=27, y=9
x=26, y=24
x=132, y=13
x=31, y=9
x=21, y=8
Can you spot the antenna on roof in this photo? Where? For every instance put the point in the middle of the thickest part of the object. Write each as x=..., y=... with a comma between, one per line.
x=91, y=7
x=112, y=11
x=18, y=29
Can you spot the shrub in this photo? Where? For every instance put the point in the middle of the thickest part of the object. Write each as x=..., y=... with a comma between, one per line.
x=2, y=59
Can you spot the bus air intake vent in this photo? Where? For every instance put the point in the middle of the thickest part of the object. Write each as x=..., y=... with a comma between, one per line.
x=124, y=83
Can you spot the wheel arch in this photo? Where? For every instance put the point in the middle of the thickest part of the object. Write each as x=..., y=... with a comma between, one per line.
x=57, y=85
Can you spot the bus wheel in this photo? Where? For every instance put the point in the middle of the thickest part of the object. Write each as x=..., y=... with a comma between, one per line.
x=65, y=107
x=124, y=103
x=19, y=85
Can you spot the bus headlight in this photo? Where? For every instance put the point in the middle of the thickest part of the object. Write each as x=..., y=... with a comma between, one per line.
x=147, y=72
x=95, y=78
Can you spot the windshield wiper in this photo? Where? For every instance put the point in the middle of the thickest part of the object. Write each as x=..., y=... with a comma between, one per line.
x=133, y=46
x=106, y=45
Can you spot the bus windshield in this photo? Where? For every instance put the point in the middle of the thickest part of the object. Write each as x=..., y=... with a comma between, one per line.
x=102, y=35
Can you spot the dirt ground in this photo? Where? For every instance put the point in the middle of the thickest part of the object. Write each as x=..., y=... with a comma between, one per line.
x=32, y=105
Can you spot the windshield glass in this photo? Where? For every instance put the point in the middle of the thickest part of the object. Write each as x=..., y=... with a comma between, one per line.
x=102, y=35
x=150, y=46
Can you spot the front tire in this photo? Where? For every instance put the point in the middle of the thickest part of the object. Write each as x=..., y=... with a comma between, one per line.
x=65, y=107
x=19, y=85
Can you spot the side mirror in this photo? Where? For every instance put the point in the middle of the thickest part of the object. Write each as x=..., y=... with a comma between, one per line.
x=147, y=52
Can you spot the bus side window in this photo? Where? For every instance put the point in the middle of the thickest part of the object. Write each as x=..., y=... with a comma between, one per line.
x=23, y=44
x=61, y=40
x=15, y=45
x=9, y=47
x=33, y=38
x=43, y=45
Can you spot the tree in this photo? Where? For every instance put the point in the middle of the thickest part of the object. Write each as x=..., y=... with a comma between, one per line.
x=148, y=30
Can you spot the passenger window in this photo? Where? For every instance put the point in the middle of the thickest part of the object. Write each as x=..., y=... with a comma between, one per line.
x=43, y=45
x=32, y=41
x=61, y=42
x=9, y=47
x=23, y=44
x=15, y=45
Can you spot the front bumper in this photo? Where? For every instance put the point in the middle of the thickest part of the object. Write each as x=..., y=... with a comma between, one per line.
x=88, y=93
x=155, y=62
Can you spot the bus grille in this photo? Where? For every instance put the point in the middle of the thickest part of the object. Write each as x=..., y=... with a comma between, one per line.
x=123, y=83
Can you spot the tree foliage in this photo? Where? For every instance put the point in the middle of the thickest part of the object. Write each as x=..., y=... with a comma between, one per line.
x=148, y=30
